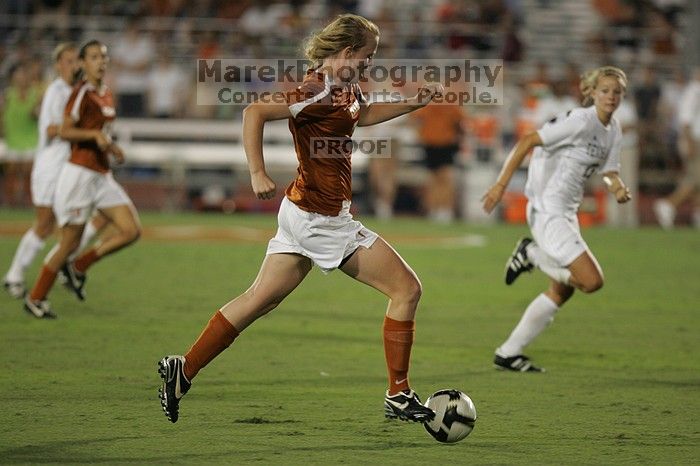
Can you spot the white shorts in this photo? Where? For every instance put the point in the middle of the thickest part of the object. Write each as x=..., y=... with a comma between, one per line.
x=44, y=186
x=80, y=190
x=558, y=235
x=323, y=239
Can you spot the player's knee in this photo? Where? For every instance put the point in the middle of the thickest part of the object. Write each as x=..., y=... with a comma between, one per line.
x=43, y=230
x=131, y=234
x=592, y=285
x=412, y=290
x=560, y=294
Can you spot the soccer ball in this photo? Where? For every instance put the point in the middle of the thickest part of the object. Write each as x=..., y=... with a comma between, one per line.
x=455, y=416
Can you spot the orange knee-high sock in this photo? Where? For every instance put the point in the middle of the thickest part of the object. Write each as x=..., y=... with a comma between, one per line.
x=398, y=339
x=43, y=284
x=85, y=260
x=216, y=337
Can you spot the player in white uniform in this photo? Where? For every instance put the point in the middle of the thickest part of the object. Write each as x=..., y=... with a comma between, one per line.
x=51, y=154
x=569, y=149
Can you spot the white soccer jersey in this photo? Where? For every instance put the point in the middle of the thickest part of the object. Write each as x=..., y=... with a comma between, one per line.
x=575, y=146
x=52, y=153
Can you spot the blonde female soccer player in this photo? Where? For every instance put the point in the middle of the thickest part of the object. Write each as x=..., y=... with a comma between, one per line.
x=315, y=224
x=569, y=149
x=85, y=184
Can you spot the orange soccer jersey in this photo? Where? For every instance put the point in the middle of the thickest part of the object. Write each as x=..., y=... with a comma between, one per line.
x=324, y=116
x=90, y=108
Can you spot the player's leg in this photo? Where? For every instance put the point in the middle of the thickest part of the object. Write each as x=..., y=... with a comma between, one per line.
x=583, y=272
x=99, y=224
x=382, y=268
x=586, y=273
x=35, y=302
x=124, y=220
x=29, y=246
x=127, y=229
x=279, y=275
x=537, y=317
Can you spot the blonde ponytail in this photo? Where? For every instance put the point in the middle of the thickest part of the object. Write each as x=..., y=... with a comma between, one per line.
x=589, y=80
x=345, y=31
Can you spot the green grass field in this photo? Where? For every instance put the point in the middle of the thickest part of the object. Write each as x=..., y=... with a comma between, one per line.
x=305, y=384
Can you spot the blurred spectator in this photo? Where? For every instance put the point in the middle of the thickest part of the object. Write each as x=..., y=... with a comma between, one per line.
x=572, y=77
x=554, y=103
x=132, y=55
x=19, y=119
x=538, y=86
x=671, y=94
x=440, y=134
x=688, y=188
x=208, y=45
x=167, y=88
x=513, y=49
x=663, y=34
x=383, y=171
x=646, y=98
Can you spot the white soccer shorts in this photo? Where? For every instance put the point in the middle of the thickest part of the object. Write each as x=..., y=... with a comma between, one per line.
x=80, y=190
x=323, y=239
x=44, y=187
x=557, y=235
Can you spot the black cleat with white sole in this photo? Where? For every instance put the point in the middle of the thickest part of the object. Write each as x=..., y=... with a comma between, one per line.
x=518, y=261
x=406, y=406
x=75, y=281
x=175, y=385
x=39, y=309
x=519, y=363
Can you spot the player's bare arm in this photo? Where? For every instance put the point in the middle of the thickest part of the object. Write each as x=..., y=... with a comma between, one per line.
x=617, y=187
x=494, y=194
x=379, y=112
x=71, y=133
x=254, y=117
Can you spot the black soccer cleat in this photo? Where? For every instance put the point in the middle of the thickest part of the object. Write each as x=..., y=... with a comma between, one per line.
x=175, y=385
x=39, y=309
x=519, y=363
x=15, y=289
x=75, y=281
x=406, y=406
x=518, y=261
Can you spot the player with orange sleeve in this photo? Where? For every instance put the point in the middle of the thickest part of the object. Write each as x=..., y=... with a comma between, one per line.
x=86, y=184
x=315, y=224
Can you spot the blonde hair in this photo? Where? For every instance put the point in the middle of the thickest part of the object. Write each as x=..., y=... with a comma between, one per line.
x=60, y=48
x=589, y=80
x=344, y=31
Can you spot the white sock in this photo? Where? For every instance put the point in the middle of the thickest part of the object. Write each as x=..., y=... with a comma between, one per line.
x=548, y=265
x=28, y=248
x=538, y=315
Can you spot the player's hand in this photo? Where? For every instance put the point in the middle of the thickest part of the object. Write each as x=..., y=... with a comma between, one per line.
x=492, y=197
x=103, y=141
x=623, y=195
x=263, y=186
x=117, y=152
x=428, y=91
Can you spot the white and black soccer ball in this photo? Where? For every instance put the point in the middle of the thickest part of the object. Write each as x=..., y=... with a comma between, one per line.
x=455, y=416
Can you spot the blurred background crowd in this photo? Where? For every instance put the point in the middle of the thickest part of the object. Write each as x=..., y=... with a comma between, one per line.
x=545, y=46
